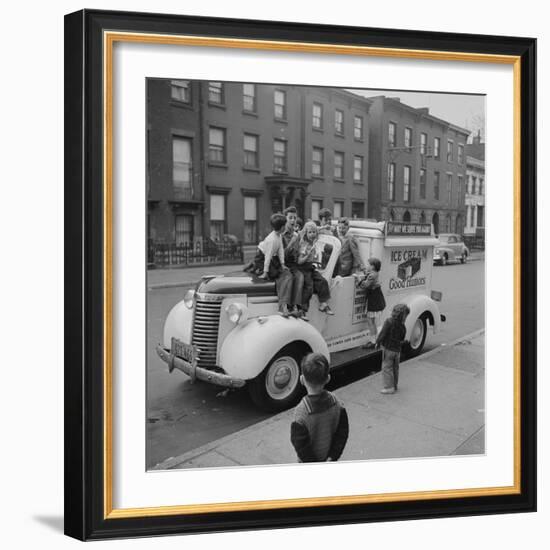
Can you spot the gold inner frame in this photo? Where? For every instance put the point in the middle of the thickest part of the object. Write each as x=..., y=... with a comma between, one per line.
x=109, y=39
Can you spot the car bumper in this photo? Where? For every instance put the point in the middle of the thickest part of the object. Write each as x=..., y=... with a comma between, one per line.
x=198, y=373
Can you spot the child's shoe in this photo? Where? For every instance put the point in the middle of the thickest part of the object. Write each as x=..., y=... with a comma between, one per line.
x=387, y=391
x=325, y=308
x=283, y=310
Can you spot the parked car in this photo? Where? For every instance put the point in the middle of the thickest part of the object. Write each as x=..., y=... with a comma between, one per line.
x=227, y=331
x=451, y=248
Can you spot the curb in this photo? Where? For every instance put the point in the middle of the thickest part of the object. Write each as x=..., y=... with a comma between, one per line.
x=173, y=462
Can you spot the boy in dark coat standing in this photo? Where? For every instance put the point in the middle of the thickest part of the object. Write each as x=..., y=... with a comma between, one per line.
x=320, y=429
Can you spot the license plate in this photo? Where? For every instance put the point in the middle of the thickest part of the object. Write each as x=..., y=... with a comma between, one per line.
x=182, y=350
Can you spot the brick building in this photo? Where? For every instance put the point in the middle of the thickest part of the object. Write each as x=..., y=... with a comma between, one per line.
x=223, y=156
x=417, y=166
x=475, y=191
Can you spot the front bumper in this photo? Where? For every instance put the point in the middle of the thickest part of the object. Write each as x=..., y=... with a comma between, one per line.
x=195, y=372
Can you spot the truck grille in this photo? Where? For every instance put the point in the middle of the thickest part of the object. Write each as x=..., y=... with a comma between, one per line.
x=205, y=331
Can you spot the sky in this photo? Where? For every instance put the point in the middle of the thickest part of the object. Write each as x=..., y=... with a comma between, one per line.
x=466, y=111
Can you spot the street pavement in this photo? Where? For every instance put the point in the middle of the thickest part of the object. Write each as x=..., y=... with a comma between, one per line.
x=438, y=411
x=182, y=416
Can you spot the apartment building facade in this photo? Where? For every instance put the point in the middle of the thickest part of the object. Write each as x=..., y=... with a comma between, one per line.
x=222, y=157
x=417, y=166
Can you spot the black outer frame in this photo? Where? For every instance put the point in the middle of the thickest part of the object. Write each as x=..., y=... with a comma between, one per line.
x=84, y=516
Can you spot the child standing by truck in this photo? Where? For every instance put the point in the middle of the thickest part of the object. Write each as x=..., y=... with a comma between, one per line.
x=320, y=428
x=375, y=298
x=391, y=339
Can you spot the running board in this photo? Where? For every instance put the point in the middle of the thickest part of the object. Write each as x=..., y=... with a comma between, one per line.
x=341, y=359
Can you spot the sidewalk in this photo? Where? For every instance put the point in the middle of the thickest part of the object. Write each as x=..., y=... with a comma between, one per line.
x=438, y=411
x=188, y=276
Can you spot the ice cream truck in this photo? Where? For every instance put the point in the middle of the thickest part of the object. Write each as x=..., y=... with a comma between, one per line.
x=227, y=331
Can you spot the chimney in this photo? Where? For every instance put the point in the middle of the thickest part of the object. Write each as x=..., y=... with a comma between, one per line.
x=424, y=110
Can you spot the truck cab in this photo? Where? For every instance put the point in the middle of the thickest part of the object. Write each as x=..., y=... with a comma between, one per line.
x=227, y=331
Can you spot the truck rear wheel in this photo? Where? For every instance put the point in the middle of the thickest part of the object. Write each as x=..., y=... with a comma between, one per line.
x=418, y=337
x=278, y=386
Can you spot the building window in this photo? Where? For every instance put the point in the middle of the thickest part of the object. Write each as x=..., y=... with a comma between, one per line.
x=391, y=181
x=422, y=182
x=181, y=90
x=460, y=185
x=250, y=220
x=407, y=217
x=450, y=144
x=217, y=217
x=182, y=168
x=358, y=128
x=423, y=143
x=215, y=93
x=449, y=188
x=437, y=148
x=406, y=183
x=216, y=147
x=339, y=166
x=357, y=168
x=391, y=134
x=279, y=155
x=436, y=186
x=460, y=154
x=250, y=147
x=339, y=122
x=357, y=210
x=481, y=182
x=338, y=210
x=279, y=99
x=184, y=229
x=317, y=162
x=249, y=98
x=408, y=137
x=316, y=206
x=317, y=116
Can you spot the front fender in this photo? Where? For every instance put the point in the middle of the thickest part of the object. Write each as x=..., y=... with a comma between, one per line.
x=419, y=304
x=249, y=347
x=178, y=324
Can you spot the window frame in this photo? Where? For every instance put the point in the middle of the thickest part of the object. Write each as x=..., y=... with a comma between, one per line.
x=392, y=142
x=321, y=163
x=361, y=159
x=342, y=155
x=283, y=105
x=220, y=103
x=188, y=88
x=254, y=97
x=319, y=118
x=223, y=132
x=360, y=127
x=407, y=183
x=285, y=157
x=338, y=132
x=391, y=181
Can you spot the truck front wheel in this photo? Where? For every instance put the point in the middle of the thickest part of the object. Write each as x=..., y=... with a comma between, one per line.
x=417, y=338
x=278, y=386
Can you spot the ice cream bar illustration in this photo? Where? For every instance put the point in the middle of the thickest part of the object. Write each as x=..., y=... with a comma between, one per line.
x=408, y=269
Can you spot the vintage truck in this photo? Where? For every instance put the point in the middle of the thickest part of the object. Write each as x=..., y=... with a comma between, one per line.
x=228, y=332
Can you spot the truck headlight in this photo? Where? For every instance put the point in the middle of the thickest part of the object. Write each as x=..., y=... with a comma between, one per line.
x=189, y=299
x=236, y=313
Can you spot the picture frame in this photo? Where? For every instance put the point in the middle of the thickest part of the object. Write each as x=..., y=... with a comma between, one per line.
x=90, y=161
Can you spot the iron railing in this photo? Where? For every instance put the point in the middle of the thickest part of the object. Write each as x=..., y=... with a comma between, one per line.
x=199, y=252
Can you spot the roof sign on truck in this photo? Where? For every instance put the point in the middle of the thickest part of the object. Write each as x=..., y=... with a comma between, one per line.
x=405, y=228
